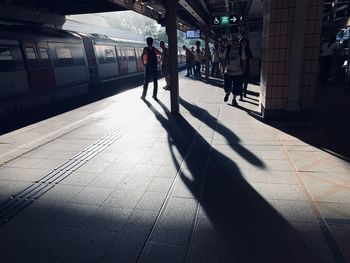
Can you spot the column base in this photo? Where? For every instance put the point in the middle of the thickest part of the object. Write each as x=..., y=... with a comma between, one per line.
x=281, y=114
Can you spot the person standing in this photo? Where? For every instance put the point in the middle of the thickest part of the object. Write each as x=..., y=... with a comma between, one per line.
x=150, y=61
x=198, y=59
x=189, y=58
x=233, y=71
x=215, y=63
x=246, y=55
x=193, y=63
x=165, y=64
x=326, y=60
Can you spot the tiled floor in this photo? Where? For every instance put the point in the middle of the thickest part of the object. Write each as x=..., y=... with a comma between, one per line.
x=213, y=184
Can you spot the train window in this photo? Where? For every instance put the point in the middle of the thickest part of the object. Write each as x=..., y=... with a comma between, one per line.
x=67, y=55
x=78, y=56
x=44, y=57
x=105, y=54
x=64, y=57
x=31, y=57
x=43, y=53
x=64, y=53
x=6, y=60
x=130, y=54
x=121, y=54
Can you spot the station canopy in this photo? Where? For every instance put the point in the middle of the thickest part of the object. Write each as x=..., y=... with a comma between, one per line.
x=222, y=16
x=191, y=14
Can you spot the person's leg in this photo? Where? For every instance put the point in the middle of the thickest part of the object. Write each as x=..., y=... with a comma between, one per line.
x=145, y=83
x=217, y=69
x=227, y=86
x=198, y=69
x=245, y=82
x=237, y=88
x=167, y=80
x=188, y=68
x=155, y=83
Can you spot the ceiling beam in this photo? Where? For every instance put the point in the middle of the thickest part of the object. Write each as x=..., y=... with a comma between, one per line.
x=199, y=17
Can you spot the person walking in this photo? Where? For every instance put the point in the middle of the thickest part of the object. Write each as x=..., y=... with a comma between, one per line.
x=246, y=55
x=233, y=71
x=150, y=61
x=165, y=64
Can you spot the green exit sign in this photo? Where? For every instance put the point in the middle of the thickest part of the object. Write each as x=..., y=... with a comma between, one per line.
x=225, y=20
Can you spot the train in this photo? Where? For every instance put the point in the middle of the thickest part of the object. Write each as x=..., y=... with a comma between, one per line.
x=39, y=65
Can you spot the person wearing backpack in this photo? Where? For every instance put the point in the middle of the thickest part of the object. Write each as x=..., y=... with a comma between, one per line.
x=233, y=74
x=149, y=59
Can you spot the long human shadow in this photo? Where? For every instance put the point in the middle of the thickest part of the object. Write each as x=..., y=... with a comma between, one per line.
x=241, y=217
x=232, y=140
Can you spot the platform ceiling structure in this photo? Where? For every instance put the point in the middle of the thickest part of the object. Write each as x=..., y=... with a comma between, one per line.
x=190, y=13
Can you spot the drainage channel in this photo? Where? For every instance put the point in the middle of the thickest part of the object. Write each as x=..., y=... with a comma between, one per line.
x=18, y=202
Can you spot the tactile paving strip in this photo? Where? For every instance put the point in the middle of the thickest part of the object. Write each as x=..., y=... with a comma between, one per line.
x=17, y=202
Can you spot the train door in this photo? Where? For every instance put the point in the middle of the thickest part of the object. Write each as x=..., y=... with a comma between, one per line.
x=140, y=67
x=91, y=59
x=47, y=80
x=130, y=55
x=36, y=69
x=123, y=65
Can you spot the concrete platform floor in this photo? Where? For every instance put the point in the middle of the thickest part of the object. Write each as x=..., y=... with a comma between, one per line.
x=122, y=180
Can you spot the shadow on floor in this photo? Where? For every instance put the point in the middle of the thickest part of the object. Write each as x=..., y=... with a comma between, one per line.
x=329, y=128
x=247, y=227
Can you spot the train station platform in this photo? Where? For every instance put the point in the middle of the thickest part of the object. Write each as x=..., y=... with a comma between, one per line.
x=123, y=180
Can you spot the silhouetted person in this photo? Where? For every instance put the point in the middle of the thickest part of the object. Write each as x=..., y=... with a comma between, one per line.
x=150, y=61
x=246, y=55
x=326, y=60
x=193, y=63
x=233, y=71
x=189, y=59
x=198, y=59
x=165, y=64
x=215, y=63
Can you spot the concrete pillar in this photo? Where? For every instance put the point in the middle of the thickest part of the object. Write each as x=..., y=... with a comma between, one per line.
x=295, y=71
x=290, y=50
x=171, y=29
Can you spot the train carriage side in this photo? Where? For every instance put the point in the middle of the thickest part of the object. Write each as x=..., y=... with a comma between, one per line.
x=111, y=58
x=129, y=56
x=39, y=65
x=70, y=66
x=13, y=75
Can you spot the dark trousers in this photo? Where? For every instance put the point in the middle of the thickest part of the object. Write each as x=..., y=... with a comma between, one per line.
x=325, y=69
x=148, y=74
x=233, y=84
x=245, y=81
x=189, y=67
x=215, y=69
x=197, y=73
